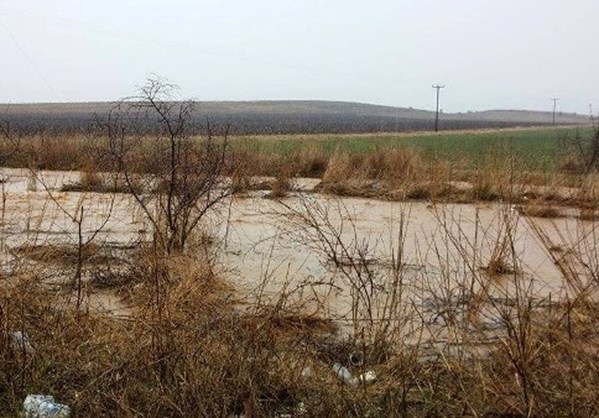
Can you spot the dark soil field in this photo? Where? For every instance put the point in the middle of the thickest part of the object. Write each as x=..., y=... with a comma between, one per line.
x=285, y=117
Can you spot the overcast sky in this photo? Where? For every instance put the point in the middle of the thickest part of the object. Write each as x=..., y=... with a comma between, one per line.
x=491, y=53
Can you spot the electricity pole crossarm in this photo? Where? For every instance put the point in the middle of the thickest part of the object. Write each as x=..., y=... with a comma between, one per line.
x=438, y=87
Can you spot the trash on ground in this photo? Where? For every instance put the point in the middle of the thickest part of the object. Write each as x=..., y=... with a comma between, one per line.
x=368, y=377
x=356, y=359
x=344, y=374
x=44, y=406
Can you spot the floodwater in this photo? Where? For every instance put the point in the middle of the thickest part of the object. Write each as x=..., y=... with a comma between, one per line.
x=337, y=256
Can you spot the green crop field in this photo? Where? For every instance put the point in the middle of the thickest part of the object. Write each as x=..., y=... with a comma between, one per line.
x=534, y=149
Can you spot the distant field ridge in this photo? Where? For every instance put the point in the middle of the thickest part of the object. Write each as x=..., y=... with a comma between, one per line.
x=289, y=116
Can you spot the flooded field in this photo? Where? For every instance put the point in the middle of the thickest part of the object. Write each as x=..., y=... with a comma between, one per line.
x=341, y=257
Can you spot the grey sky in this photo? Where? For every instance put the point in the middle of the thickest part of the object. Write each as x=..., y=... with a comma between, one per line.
x=490, y=53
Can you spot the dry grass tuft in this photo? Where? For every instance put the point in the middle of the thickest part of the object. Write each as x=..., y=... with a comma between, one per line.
x=66, y=254
x=499, y=266
x=393, y=166
x=94, y=182
x=588, y=214
x=292, y=322
x=311, y=162
x=540, y=211
x=187, y=348
x=281, y=186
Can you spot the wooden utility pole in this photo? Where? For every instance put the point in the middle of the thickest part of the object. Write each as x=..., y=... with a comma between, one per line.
x=438, y=87
x=554, y=110
x=591, y=114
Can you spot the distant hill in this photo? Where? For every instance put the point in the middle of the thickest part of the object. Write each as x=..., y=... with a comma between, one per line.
x=523, y=116
x=259, y=117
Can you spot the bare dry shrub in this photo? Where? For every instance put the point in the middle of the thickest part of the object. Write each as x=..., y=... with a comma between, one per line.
x=188, y=182
x=502, y=259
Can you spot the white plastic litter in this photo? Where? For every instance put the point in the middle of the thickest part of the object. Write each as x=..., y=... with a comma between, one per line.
x=307, y=372
x=346, y=376
x=20, y=341
x=368, y=377
x=44, y=406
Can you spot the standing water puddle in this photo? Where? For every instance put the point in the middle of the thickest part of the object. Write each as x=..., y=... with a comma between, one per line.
x=269, y=248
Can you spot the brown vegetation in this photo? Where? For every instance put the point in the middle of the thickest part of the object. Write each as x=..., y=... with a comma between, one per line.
x=540, y=211
x=393, y=173
x=467, y=335
x=587, y=214
x=186, y=348
x=62, y=255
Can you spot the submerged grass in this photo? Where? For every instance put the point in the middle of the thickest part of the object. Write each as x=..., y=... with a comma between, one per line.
x=185, y=349
x=189, y=347
x=62, y=255
x=515, y=165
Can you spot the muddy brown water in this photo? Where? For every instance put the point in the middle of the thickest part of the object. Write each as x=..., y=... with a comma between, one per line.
x=266, y=250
